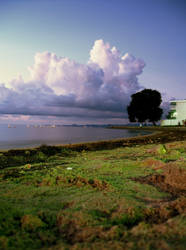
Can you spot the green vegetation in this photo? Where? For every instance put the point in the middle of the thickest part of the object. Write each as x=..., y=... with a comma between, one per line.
x=171, y=114
x=122, y=198
x=145, y=106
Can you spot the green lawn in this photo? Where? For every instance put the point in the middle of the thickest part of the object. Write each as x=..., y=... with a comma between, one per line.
x=89, y=200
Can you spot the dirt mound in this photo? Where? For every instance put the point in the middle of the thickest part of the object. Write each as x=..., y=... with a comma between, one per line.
x=80, y=181
x=156, y=164
x=172, y=180
x=165, y=211
x=76, y=181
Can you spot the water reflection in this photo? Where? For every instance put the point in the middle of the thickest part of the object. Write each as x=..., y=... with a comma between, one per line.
x=24, y=136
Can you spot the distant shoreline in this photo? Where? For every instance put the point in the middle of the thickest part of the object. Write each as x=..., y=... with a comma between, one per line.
x=150, y=128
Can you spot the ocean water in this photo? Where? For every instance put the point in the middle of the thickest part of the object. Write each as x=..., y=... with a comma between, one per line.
x=21, y=136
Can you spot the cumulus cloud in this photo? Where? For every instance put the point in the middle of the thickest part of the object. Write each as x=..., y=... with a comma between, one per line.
x=60, y=86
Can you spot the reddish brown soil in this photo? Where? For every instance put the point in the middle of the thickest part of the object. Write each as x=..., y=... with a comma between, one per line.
x=172, y=180
x=165, y=211
x=80, y=181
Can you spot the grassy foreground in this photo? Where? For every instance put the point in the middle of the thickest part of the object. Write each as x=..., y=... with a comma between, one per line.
x=122, y=198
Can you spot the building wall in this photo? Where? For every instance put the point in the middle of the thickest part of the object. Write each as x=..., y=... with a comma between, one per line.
x=178, y=114
x=170, y=122
x=181, y=110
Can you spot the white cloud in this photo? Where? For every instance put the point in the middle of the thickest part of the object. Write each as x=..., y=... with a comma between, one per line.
x=60, y=86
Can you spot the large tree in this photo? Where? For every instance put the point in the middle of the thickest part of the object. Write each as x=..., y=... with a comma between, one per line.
x=144, y=106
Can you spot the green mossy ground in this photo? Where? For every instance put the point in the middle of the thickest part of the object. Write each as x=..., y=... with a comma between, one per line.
x=65, y=199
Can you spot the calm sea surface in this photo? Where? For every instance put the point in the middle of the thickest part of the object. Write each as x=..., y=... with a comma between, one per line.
x=23, y=137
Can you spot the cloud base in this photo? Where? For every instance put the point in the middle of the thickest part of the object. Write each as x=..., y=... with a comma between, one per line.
x=61, y=87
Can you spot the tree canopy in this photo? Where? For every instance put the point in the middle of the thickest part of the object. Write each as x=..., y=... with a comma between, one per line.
x=144, y=106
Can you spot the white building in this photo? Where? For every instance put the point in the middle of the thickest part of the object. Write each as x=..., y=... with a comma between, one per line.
x=177, y=113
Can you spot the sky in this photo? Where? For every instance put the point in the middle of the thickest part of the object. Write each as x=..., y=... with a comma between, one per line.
x=79, y=61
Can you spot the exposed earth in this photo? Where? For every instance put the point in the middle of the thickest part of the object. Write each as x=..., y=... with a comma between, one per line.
x=122, y=194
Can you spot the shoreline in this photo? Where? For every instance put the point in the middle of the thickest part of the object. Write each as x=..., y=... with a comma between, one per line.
x=159, y=135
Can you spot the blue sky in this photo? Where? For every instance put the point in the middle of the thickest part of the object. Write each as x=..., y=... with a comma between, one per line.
x=152, y=30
